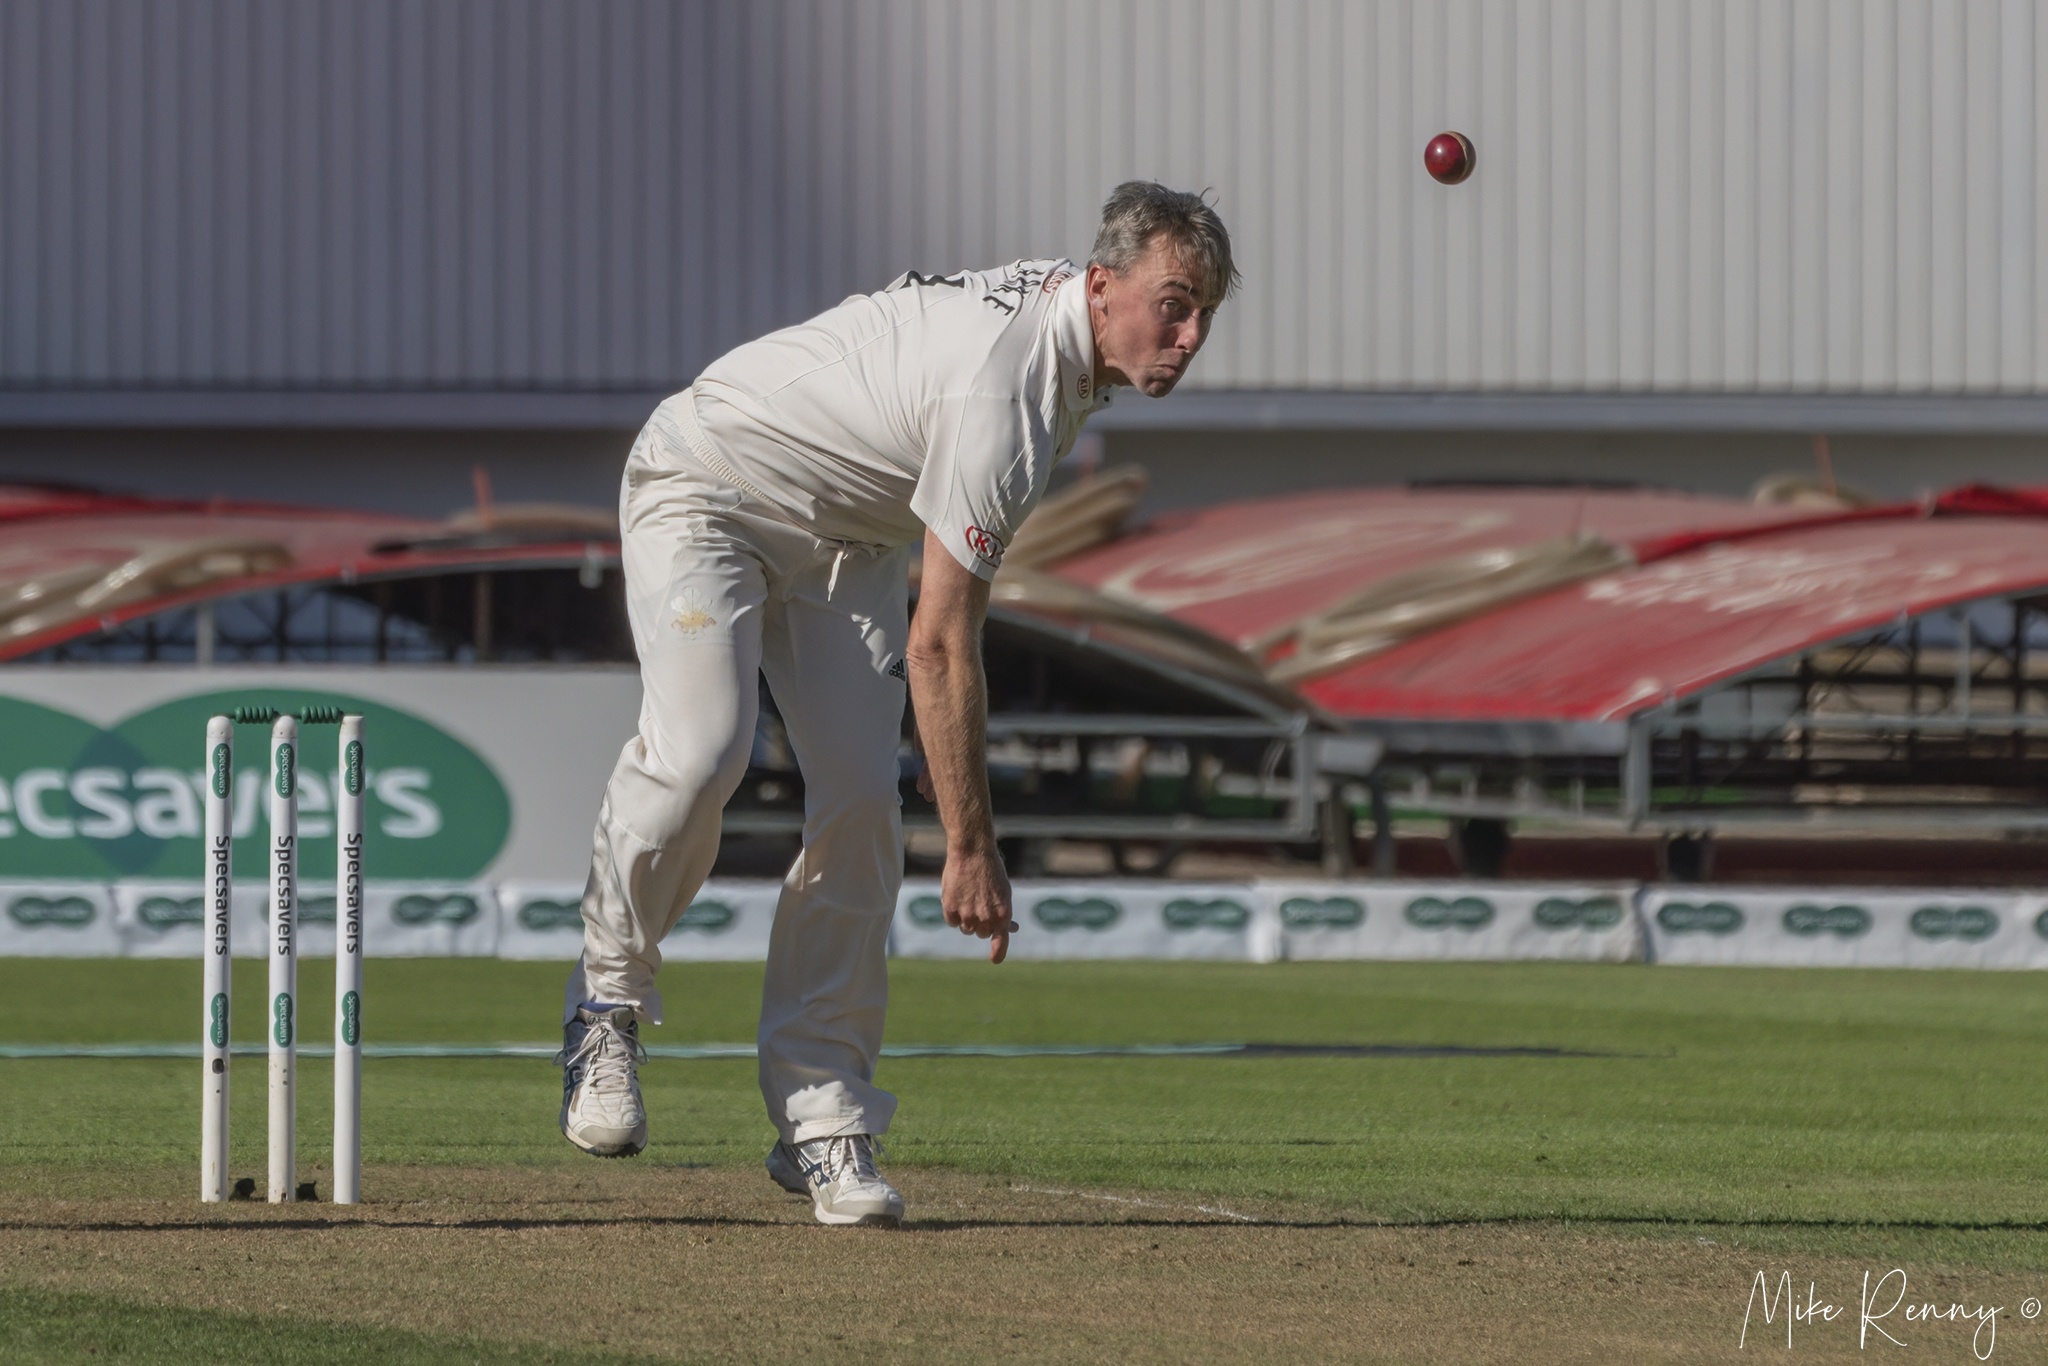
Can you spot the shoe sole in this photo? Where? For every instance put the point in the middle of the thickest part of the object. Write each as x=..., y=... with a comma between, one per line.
x=857, y=1220
x=629, y=1148
x=880, y=1218
x=615, y=1152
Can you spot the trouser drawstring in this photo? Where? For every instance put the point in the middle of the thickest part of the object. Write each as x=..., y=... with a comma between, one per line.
x=832, y=581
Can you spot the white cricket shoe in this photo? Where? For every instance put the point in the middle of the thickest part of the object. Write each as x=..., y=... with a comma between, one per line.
x=785, y=1169
x=601, y=1108
x=844, y=1186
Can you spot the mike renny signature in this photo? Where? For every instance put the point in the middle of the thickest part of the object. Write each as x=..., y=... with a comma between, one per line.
x=1883, y=1309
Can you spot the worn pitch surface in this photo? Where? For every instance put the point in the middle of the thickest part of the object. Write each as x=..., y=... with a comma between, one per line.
x=716, y=1265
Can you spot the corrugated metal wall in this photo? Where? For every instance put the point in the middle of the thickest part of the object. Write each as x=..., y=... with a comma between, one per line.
x=1701, y=194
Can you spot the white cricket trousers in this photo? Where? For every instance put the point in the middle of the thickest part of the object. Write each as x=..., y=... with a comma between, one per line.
x=719, y=591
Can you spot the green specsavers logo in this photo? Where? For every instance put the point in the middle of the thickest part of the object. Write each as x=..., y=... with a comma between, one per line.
x=1322, y=913
x=456, y=908
x=1563, y=913
x=1205, y=915
x=1466, y=913
x=281, y=1019
x=77, y=801
x=66, y=912
x=1085, y=913
x=351, y=1018
x=1971, y=924
x=1710, y=917
x=927, y=911
x=167, y=912
x=217, y=1019
x=1844, y=922
x=550, y=915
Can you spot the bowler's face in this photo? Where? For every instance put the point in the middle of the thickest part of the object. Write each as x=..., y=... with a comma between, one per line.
x=1149, y=322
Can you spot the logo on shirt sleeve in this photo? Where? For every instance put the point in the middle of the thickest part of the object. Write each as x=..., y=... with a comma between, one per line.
x=1018, y=281
x=910, y=277
x=987, y=547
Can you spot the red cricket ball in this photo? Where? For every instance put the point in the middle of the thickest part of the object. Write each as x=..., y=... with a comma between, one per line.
x=1449, y=157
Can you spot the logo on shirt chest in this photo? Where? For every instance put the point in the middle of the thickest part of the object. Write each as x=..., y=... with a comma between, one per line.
x=986, y=546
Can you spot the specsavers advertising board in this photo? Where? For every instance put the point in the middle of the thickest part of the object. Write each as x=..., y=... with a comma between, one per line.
x=483, y=783
x=475, y=774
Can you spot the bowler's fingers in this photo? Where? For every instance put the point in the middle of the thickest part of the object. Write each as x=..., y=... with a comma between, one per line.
x=983, y=926
x=999, y=946
x=969, y=922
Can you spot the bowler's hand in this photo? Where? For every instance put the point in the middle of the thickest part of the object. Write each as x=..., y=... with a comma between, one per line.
x=975, y=892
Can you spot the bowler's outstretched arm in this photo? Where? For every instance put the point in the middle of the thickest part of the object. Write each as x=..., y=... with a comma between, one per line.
x=951, y=697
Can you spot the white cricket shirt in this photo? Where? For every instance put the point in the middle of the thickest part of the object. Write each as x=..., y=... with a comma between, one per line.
x=940, y=402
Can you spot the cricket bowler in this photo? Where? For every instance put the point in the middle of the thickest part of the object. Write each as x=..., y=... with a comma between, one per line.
x=767, y=517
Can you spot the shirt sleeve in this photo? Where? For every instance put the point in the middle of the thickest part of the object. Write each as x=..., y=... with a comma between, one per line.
x=988, y=463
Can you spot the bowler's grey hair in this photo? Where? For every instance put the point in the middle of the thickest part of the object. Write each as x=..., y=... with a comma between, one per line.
x=1140, y=210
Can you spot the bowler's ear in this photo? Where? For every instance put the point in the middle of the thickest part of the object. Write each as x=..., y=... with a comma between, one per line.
x=1097, y=285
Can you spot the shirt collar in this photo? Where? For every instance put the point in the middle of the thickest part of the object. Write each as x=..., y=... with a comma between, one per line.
x=1074, y=340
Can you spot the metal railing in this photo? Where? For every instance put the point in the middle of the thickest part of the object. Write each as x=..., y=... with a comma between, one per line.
x=1289, y=740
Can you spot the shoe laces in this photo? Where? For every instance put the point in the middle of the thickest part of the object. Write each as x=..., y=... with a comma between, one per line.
x=605, y=1055
x=850, y=1155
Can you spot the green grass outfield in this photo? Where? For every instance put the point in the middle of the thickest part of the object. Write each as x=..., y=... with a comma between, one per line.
x=1805, y=1100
